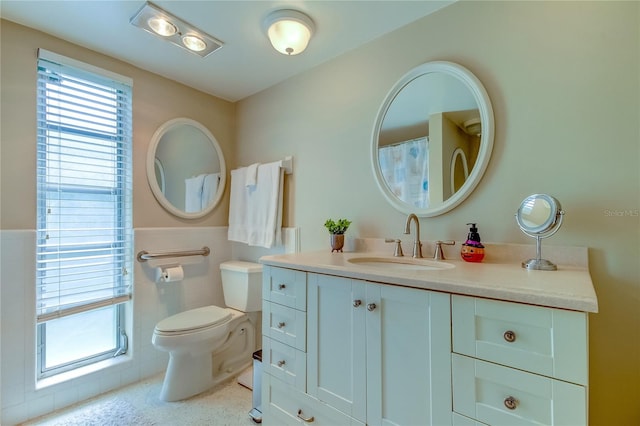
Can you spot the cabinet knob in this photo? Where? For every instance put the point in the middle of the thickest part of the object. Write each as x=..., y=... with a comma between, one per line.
x=509, y=336
x=371, y=306
x=281, y=324
x=510, y=402
x=281, y=286
x=357, y=303
x=305, y=419
x=281, y=363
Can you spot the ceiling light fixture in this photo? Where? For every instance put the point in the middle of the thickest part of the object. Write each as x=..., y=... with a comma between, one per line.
x=289, y=31
x=173, y=29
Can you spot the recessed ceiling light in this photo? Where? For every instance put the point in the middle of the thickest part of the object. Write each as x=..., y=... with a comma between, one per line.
x=161, y=23
x=162, y=26
x=194, y=43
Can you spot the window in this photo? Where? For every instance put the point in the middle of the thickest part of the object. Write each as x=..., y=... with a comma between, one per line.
x=84, y=249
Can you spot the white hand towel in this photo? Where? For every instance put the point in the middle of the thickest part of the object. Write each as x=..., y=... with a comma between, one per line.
x=209, y=189
x=238, y=207
x=264, y=216
x=193, y=194
x=252, y=175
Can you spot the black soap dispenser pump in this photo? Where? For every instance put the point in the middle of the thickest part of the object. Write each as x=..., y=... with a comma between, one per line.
x=472, y=249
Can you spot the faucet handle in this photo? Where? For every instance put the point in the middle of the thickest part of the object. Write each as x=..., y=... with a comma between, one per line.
x=438, y=254
x=397, y=251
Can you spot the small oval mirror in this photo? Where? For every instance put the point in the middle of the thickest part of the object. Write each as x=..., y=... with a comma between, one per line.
x=539, y=216
x=185, y=168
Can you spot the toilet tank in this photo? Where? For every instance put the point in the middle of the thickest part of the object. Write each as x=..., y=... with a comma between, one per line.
x=242, y=285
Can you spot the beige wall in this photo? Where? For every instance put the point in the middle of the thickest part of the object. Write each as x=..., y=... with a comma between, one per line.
x=155, y=101
x=564, y=81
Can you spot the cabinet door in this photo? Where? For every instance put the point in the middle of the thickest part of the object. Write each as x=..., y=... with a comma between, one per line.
x=336, y=371
x=408, y=356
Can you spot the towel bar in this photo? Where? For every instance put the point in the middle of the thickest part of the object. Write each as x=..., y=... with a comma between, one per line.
x=143, y=255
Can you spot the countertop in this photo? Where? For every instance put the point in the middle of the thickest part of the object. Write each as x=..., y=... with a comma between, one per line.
x=570, y=287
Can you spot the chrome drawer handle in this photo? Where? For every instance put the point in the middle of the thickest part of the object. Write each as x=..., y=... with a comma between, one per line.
x=305, y=419
x=281, y=286
x=509, y=336
x=371, y=306
x=510, y=402
x=357, y=303
x=281, y=324
x=281, y=363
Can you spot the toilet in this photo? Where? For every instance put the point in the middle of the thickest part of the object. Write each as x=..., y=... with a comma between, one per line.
x=210, y=344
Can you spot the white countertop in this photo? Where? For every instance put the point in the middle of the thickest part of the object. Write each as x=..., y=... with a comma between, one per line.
x=570, y=287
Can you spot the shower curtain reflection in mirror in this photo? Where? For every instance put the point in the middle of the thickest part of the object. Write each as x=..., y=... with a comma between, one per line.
x=405, y=168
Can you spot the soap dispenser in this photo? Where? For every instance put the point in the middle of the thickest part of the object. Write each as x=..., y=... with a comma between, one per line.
x=472, y=249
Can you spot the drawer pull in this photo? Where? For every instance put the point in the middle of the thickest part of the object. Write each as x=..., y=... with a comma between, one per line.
x=305, y=419
x=281, y=363
x=281, y=286
x=371, y=306
x=357, y=303
x=281, y=324
x=510, y=336
x=510, y=402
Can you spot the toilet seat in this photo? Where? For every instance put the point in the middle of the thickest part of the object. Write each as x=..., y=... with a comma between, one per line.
x=194, y=320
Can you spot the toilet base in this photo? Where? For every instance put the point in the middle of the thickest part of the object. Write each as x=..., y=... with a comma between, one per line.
x=189, y=374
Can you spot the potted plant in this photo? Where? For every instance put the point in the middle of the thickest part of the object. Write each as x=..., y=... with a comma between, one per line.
x=337, y=230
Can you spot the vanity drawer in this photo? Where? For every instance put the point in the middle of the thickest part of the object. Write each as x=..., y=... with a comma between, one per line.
x=284, y=362
x=286, y=287
x=285, y=324
x=547, y=341
x=495, y=394
x=283, y=405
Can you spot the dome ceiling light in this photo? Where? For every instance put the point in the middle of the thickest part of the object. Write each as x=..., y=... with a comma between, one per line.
x=289, y=31
x=164, y=25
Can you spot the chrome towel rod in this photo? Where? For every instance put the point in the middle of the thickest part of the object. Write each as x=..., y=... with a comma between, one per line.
x=143, y=256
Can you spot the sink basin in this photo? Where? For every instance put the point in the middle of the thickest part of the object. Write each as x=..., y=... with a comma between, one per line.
x=401, y=263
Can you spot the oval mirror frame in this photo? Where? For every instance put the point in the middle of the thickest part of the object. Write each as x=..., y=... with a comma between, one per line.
x=485, y=109
x=151, y=167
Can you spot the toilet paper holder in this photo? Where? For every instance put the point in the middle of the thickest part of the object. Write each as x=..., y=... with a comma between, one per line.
x=169, y=274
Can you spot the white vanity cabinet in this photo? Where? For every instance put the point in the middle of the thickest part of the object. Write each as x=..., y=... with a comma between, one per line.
x=518, y=364
x=345, y=345
x=377, y=353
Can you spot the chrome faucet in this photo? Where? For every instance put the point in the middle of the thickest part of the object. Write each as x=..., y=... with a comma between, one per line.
x=417, y=244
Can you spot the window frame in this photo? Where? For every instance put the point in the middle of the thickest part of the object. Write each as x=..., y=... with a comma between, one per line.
x=118, y=249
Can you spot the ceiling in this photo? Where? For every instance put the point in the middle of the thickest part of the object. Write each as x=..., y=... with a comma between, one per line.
x=246, y=64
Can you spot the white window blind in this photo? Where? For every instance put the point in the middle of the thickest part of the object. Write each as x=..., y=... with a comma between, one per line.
x=84, y=195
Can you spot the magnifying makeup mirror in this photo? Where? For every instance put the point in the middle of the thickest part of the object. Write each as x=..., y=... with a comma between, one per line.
x=539, y=216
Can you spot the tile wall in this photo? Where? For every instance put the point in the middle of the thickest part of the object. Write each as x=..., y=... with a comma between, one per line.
x=152, y=301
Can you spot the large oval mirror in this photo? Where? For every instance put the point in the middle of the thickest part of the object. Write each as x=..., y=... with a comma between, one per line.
x=185, y=168
x=432, y=139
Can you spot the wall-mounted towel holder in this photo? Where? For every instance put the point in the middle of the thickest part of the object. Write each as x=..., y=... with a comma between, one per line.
x=143, y=255
x=287, y=164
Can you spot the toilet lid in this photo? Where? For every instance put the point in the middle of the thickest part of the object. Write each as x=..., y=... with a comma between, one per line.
x=207, y=316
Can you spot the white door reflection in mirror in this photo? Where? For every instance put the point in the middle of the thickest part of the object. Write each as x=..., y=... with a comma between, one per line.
x=159, y=171
x=459, y=169
x=193, y=167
